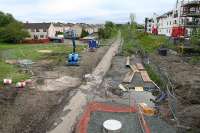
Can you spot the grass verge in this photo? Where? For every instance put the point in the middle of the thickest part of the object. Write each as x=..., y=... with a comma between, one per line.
x=18, y=52
x=134, y=41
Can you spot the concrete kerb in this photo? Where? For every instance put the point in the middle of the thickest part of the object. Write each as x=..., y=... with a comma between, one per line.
x=80, y=100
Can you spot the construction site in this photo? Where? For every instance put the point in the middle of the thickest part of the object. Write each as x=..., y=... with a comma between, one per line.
x=121, y=78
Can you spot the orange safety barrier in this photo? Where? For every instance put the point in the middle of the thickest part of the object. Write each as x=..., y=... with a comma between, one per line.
x=94, y=107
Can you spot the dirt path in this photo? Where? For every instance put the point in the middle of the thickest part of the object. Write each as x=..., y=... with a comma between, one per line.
x=34, y=109
x=82, y=97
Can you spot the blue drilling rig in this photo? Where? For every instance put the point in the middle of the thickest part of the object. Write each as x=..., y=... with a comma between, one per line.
x=73, y=58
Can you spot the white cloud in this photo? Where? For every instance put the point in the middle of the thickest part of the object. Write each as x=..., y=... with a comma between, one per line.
x=94, y=10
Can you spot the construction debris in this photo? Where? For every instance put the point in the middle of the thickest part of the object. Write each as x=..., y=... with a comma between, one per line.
x=20, y=84
x=7, y=81
x=45, y=51
x=11, y=62
x=147, y=110
x=122, y=88
x=128, y=61
x=139, y=89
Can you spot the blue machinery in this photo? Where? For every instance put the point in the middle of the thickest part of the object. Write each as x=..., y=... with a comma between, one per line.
x=93, y=45
x=73, y=58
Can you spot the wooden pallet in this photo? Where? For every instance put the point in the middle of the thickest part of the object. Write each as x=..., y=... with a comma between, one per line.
x=145, y=76
x=140, y=66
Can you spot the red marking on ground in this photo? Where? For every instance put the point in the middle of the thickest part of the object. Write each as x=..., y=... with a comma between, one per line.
x=94, y=107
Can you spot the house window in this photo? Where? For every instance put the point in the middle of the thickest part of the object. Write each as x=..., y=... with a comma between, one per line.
x=44, y=30
x=37, y=30
x=35, y=37
x=175, y=22
x=41, y=36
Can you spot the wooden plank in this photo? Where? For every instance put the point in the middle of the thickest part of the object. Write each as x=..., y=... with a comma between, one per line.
x=122, y=88
x=145, y=76
x=128, y=77
x=140, y=66
x=134, y=68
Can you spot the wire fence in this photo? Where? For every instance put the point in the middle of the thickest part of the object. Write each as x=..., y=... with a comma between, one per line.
x=172, y=100
x=167, y=87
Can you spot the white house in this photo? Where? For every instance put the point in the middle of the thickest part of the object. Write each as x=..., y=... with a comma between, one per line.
x=151, y=23
x=77, y=28
x=40, y=30
x=59, y=27
x=179, y=22
x=165, y=23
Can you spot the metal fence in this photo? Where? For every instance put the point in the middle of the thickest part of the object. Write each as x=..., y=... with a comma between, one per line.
x=172, y=100
x=169, y=88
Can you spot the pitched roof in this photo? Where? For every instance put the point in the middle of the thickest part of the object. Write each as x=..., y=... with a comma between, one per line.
x=37, y=25
x=58, y=24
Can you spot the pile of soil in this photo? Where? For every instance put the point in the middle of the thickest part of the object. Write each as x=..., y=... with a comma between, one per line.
x=186, y=79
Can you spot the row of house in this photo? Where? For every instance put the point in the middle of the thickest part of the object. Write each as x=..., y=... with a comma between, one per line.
x=51, y=30
x=183, y=20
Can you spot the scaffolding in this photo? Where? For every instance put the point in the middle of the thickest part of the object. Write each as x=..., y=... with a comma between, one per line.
x=190, y=11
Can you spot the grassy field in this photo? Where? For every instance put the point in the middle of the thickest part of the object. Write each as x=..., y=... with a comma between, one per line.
x=20, y=52
x=150, y=42
x=134, y=41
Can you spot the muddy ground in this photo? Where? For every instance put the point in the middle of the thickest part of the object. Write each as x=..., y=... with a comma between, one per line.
x=186, y=79
x=34, y=109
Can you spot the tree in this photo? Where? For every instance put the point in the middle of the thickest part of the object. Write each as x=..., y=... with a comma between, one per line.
x=133, y=22
x=108, y=31
x=11, y=30
x=5, y=19
x=84, y=33
x=132, y=18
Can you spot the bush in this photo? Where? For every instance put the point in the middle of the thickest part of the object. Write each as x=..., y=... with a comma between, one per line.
x=194, y=60
x=109, y=31
x=84, y=33
x=195, y=39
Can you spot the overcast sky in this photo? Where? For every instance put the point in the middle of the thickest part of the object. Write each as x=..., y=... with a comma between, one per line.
x=90, y=11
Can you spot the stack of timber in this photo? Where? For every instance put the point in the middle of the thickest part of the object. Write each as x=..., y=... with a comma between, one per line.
x=129, y=76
